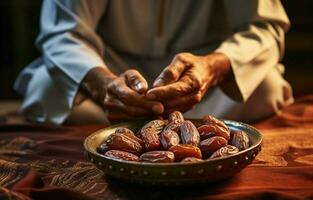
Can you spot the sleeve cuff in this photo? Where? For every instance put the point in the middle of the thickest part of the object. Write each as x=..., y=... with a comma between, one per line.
x=251, y=60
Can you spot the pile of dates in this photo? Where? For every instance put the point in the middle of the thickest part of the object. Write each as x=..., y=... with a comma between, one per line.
x=174, y=140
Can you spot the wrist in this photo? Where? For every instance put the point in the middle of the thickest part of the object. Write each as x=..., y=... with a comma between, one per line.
x=220, y=66
x=225, y=77
x=95, y=82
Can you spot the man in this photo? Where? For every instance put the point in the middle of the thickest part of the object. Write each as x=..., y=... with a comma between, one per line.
x=118, y=60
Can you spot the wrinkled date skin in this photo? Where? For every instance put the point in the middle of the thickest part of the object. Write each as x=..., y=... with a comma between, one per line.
x=208, y=119
x=212, y=144
x=225, y=151
x=158, y=157
x=121, y=155
x=210, y=130
x=175, y=119
x=169, y=138
x=240, y=140
x=150, y=134
x=173, y=126
x=123, y=143
x=191, y=160
x=182, y=151
x=129, y=133
x=189, y=133
x=176, y=116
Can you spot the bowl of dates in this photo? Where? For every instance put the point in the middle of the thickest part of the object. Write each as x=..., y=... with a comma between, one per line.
x=174, y=151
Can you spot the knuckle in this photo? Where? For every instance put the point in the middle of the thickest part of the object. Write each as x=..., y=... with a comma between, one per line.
x=193, y=81
x=183, y=89
x=180, y=89
x=111, y=86
x=188, y=82
x=123, y=95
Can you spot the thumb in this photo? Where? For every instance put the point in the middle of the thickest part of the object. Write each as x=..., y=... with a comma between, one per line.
x=136, y=81
x=170, y=74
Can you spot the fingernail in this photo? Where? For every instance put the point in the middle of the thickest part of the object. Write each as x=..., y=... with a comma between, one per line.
x=158, y=82
x=157, y=109
x=139, y=86
x=150, y=96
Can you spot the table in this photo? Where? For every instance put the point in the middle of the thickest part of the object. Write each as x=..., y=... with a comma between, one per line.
x=47, y=162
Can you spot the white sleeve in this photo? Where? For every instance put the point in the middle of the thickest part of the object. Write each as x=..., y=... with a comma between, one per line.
x=70, y=47
x=257, y=42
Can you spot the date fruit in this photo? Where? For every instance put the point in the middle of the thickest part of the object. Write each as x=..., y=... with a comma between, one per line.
x=175, y=119
x=173, y=126
x=169, y=138
x=189, y=133
x=121, y=155
x=124, y=143
x=129, y=133
x=191, y=160
x=210, y=130
x=176, y=116
x=175, y=140
x=212, y=144
x=240, y=140
x=150, y=134
x=182, y=151
x=209, y=119
x=225, y=151
x=158, y=157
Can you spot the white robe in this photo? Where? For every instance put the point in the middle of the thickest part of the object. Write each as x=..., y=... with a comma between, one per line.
x=76, y=36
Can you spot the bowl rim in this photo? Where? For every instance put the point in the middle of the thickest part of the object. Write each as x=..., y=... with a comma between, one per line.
x=174, y=164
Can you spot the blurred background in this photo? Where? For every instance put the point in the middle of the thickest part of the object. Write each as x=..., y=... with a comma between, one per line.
x=19, y=22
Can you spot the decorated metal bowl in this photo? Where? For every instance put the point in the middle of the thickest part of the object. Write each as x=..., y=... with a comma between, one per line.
x=173, y=173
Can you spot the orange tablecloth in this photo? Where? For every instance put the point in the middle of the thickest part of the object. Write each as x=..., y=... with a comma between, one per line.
x=47, y=162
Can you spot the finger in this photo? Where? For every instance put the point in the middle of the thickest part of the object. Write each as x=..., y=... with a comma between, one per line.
x=136, y=81
x=171, y=73
x=185, y=101
x=129, y=110
x=180, y=88
x=130, y=97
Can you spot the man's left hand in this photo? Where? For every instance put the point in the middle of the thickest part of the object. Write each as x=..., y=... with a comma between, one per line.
x=184, y=82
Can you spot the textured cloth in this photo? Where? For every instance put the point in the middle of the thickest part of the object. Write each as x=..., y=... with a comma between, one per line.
x=47, y=162
x=76, y=36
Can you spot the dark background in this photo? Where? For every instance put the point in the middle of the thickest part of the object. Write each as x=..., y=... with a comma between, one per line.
x=19, y=22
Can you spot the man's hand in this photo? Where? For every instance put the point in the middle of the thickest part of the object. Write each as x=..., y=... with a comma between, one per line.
x=122, y=96
x=184, y=82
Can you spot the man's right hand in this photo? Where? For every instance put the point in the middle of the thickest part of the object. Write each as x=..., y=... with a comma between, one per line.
x=123, y=96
